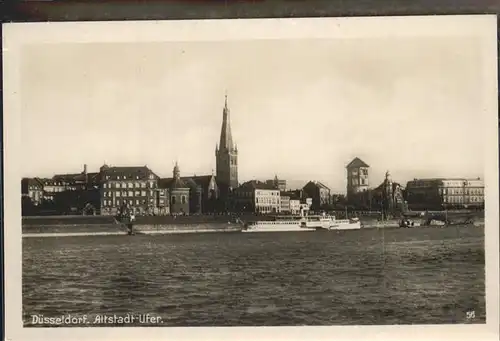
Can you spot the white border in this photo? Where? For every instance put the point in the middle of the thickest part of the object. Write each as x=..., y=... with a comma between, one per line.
x=17, y=35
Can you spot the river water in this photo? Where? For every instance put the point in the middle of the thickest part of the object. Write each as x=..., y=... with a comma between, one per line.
x=371, y=276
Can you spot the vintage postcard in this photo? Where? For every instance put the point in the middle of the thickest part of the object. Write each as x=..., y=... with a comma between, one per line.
x=324, y=178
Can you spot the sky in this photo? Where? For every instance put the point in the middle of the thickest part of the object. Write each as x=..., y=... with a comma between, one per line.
x=300, y=108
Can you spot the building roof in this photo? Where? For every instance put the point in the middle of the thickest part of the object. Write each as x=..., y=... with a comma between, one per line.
x=189, y=182
x=129, y=173
x=183, y=182
x=446, y=179
x=316, y=184
x=31, y=182
x=356, y=163
x=255, y=184
x=92, y=178
x=49, y=182
x=202, y=181
x=164, y=182
x=292, y=195
x=178, y=183
x=172, y=183
x=383, y=184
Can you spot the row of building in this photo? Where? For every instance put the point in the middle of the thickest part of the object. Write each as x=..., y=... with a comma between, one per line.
x=105, y=191
x=432, y=193
x=145, y=192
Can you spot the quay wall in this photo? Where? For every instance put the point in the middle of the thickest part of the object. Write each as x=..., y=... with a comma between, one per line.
x=73, y=228
x=198, y=228
x=68, y=220
x=97, y=225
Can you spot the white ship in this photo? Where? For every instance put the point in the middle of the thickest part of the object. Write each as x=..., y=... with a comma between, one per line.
x=326, y=222
x=302, y=224
x=279, y=224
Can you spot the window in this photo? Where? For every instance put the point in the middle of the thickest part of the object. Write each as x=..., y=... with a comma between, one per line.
x=183, y=199
x=143, y=185
x=118, y=194
x=118, y=202
x=105, y=186
x=118, y=177
x=143, y=193
x=137, y=202
x=117, y=185
x=130, y=193
x=173, y=200
x=137, y=185
x=137, y=193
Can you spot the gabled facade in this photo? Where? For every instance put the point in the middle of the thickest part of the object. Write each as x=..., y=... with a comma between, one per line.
x=318, y=192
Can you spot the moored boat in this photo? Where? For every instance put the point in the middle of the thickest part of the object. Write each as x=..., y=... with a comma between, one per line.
x=326, y=222
x=287, y=223
x=276, y=226
x=302, y=224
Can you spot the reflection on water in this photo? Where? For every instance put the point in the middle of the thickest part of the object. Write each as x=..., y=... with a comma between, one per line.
x=332, y=278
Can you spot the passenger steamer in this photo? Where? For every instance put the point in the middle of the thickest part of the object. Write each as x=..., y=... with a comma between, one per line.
x=302, y=224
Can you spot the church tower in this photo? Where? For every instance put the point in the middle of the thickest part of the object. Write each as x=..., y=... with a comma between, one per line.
x=226, y=154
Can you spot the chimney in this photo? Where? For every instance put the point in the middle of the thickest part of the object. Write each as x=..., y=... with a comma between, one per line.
x=86, y=176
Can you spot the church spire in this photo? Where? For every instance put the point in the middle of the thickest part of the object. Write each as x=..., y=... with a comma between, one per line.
x=226, y=138
x=177, y=173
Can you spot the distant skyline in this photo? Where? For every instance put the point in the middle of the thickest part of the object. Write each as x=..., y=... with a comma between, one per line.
x=301, y=109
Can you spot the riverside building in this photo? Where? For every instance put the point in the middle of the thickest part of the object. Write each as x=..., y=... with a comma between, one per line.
x=445, y=193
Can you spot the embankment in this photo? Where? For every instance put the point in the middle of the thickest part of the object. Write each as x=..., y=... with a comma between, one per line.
x=178, y=228
x=106, y=225
x=71, y=226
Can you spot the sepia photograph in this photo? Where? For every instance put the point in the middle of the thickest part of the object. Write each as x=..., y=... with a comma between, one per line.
x=252, y=173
